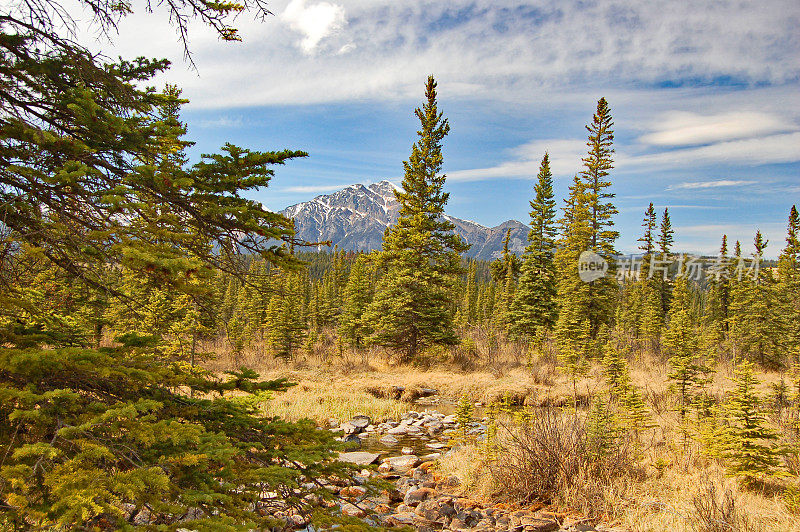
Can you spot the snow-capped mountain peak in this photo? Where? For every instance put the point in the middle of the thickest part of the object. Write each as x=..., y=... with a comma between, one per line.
x=356, y=217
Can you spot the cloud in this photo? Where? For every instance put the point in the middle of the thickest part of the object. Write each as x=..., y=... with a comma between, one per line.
x=504, y=50
x=711, y=184
x=315, y=22
x=221, y=122
x=680, y=128
x=771, y=149
x=565, y=156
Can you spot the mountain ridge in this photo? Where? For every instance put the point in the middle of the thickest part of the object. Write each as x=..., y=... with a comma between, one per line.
x=355, y=218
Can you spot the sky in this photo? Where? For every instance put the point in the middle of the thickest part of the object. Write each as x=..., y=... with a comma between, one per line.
x=705, y=98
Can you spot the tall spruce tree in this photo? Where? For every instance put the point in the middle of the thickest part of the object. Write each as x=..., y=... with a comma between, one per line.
x=534, y=305
x=648, y=239
x=588, y=225
x=573, y=295
x=666, y=238
x=420, y=256
x=789, y=283
x=758, y=326
x=747, y=450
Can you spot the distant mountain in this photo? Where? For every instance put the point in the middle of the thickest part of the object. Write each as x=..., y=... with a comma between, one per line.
x=355, y=218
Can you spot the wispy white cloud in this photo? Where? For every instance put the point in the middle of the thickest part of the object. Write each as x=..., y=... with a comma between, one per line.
x=694, y=185
x=500, y=49
x=770, y=149
x=315, y=22
x=565, y=156
x=681, y=128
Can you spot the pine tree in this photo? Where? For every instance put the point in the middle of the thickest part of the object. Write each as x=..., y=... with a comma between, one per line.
x=616, y=370
x=504, y=306
x=597, y=164
x=789, y=281
x=650, y=305
x=507, y=260
x=284, y=321
x=420, y=256
x=665, y=240
x=105, y=438
x=757, y=325
x=648, y=239
x=588, y=225
x=471, y=296
x=747, y=452
x=357, y=297
x=465, y=412
x=534, y=305
x=573, y=295
x=718, y=294
x=680, y=343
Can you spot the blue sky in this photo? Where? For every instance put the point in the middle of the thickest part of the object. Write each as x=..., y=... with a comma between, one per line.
x=706, y=101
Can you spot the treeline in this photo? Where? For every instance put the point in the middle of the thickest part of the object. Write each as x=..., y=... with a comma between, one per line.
x=730, y=306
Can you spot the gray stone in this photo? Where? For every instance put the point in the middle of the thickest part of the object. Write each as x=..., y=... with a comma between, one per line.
x=361, y=421
x=359, y=458
x=389, y=440
x=403, y=462
x=414, y=497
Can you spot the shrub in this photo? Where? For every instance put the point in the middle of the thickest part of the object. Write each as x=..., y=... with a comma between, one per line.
x=547, y=457
x=715, y=512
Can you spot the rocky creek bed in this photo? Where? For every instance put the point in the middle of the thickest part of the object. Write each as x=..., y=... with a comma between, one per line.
x=406, y=451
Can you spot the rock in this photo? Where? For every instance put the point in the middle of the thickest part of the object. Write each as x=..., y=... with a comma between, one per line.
x=457, y=524
x=400, y=519
x=353, y=493
x=436, y=445
x=348, y=428
x=414, y=497
x=435, y=509
x=403, y=462
x=359, y=458
x=352, y=438
x=536, y=524
x=298, y=521
x=431, y=456
x=399, y=429
x=361, y=421
x=435, y=427
x=385, y=467
x=352, y=510
x=389, y=440
x=407, y=450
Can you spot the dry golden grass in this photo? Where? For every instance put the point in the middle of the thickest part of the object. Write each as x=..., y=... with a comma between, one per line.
x=339, y=383
x=665, y=499
x=322, y=401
